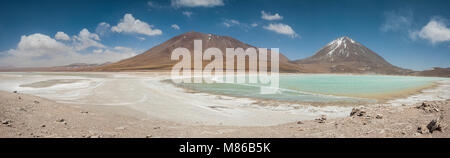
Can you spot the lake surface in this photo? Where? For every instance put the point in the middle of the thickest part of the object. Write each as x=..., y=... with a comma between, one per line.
x=323, y=88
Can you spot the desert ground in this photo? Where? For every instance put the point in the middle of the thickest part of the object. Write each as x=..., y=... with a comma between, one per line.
x=137, y=104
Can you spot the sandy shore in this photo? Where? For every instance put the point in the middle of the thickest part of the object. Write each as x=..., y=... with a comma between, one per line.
x=144, y=107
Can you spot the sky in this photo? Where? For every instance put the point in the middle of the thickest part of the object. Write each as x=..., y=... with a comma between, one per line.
x=413, y=34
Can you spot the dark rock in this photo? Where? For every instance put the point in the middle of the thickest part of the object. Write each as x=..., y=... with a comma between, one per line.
x=379, y=116
x=357, y=112
x=434, y=125
x=22, y=109
x=429, y=107
x=14, y=91
x=322, y=119
x=36, y=102
x=6, y=122
x=299, y=122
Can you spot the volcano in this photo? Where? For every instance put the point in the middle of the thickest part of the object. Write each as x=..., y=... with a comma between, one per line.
x=345, y=55
x=158, y=57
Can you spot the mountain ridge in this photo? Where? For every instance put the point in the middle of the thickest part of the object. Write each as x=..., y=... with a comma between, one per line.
x=342, y=55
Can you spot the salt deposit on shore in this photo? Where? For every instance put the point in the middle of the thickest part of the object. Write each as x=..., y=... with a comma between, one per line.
x=146, y=93
x=441, y=92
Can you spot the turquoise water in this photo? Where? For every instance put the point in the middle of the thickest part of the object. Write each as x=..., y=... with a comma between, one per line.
x=320, y=88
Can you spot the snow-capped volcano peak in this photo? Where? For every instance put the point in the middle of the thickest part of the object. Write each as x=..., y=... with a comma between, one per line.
x=346, y=55
x=345, y=49
x=342, y=40
x=342, y=46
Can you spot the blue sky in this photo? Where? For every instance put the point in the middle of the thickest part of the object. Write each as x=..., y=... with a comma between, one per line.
x=413, y=34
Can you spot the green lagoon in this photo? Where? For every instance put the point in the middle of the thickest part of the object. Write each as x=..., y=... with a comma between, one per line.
x=323, y=88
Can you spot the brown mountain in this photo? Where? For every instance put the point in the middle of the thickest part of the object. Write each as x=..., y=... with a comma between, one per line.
x=435, y=72
x=345, y=55
x=71, y=67
x=158, y=57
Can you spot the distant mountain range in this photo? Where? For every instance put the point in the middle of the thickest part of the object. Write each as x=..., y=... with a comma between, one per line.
x=71, y=67
x=440, y=72
x=343, y=55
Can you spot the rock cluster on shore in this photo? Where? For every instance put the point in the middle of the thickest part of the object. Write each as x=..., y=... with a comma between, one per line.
x=429, y=107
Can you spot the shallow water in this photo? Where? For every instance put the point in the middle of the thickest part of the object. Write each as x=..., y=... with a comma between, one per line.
x=322, y=88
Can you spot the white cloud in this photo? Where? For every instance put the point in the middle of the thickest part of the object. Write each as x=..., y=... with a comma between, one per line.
x=154, y=4
x=227, y=24
x=187, y=13
x=38, y=45
x=231, y=22
x=131, y=25
x=196, y=3
x=98, y=51
x=38, y=50
x=270, y=17
x=86, y=39
x=435, y=31
x=234, y=22
x=397, y=20
x=254, y=25
x=123, y=49
x=102, y=28
x=175, y=26
x=282, y=29
x=62, y=36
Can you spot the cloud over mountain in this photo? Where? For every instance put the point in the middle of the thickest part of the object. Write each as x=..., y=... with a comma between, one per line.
x=175, y=26
x=270, y=17
x=435, y=31
x=282, y=29
x=397, y=20
x=37, y=50
x=86, y=39
x=131, y=25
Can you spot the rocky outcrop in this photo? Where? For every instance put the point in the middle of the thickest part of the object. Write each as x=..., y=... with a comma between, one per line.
x=429, y=107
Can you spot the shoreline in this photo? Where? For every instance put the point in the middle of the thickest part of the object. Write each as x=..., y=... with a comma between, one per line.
x=224, y=113
x=380, y=98
x=36, y=117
